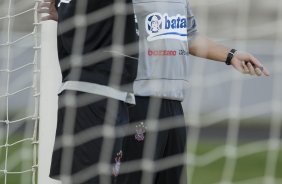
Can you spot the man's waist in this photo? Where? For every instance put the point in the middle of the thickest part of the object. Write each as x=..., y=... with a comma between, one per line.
x=98, y=89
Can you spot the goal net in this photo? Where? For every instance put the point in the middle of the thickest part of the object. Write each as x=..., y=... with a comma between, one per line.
x=233, y=121
x=19, y=91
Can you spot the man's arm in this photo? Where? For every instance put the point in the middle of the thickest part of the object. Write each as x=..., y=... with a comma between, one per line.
x=246, y=63
x=48, y=7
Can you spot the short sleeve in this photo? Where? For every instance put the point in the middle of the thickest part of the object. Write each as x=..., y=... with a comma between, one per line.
x=191, y=23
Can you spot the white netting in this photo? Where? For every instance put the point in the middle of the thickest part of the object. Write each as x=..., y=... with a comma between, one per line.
x=19, y=91
x=245, y=118
x=234, y=120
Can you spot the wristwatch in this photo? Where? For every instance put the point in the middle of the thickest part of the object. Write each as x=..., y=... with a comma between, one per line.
x=230, y=56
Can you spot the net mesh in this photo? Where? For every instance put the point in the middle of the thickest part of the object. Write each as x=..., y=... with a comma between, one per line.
x=19, y=92
x=234, y=120
x=229, y=120
x=249, y=129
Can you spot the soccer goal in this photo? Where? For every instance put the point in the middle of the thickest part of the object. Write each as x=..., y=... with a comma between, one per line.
x=19, y=91
x=233, y=121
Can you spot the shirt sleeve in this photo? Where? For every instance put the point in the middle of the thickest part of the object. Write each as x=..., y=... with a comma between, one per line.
x=191, y=24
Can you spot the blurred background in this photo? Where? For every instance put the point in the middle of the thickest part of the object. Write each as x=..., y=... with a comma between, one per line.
x=18, y=101
x=235, y=120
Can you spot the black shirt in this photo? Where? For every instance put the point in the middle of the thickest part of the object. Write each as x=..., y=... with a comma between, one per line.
x=97, y=58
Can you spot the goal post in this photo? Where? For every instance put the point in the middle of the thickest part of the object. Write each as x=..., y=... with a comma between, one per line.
x=49, y=85
x=234, y=120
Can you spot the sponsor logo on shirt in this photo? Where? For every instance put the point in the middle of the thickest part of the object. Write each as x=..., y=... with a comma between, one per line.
x=64, y=1
x=183, y=52
x=160, y=26
x=161, y=52
x=180, y=52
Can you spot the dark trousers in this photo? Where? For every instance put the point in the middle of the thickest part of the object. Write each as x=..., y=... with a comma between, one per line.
x=170, y=142
x=84, y=157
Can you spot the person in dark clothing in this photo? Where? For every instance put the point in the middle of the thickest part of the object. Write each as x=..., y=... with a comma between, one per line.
x=167, y=37
x=163, y=143
x=91, y=66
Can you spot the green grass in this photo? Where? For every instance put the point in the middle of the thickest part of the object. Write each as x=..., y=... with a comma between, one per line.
x=247, y=167
x=20, y=158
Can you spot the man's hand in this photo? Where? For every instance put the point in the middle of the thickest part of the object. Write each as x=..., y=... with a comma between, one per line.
x=49, y=7
x=248, y=64
x=202, y=46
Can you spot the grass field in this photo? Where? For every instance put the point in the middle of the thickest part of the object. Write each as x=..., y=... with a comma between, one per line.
x=20, y=158
x=249, y=167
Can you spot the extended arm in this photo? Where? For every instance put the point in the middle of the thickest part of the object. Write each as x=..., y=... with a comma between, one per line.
x=246, y=63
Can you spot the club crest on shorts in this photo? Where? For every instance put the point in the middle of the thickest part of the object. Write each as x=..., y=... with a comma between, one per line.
x=140, y=132
x=64, y=1
x=116, y=167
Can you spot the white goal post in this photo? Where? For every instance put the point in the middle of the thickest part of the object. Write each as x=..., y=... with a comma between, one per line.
x=204, y=111
x=50, y=81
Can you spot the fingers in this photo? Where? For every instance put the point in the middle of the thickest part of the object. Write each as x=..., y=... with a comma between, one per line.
x=248, y=68
x=245, y=68
x=265, y=72
x=43, y=11
x=44, y=5
x=254, y=69
x=259, y=66
x=251, y=68
x=48, y=7
x=48, y=17
x=248, y=64
x=255, y=61
x=43, y=8
x=258, y=71
x=48, y=1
